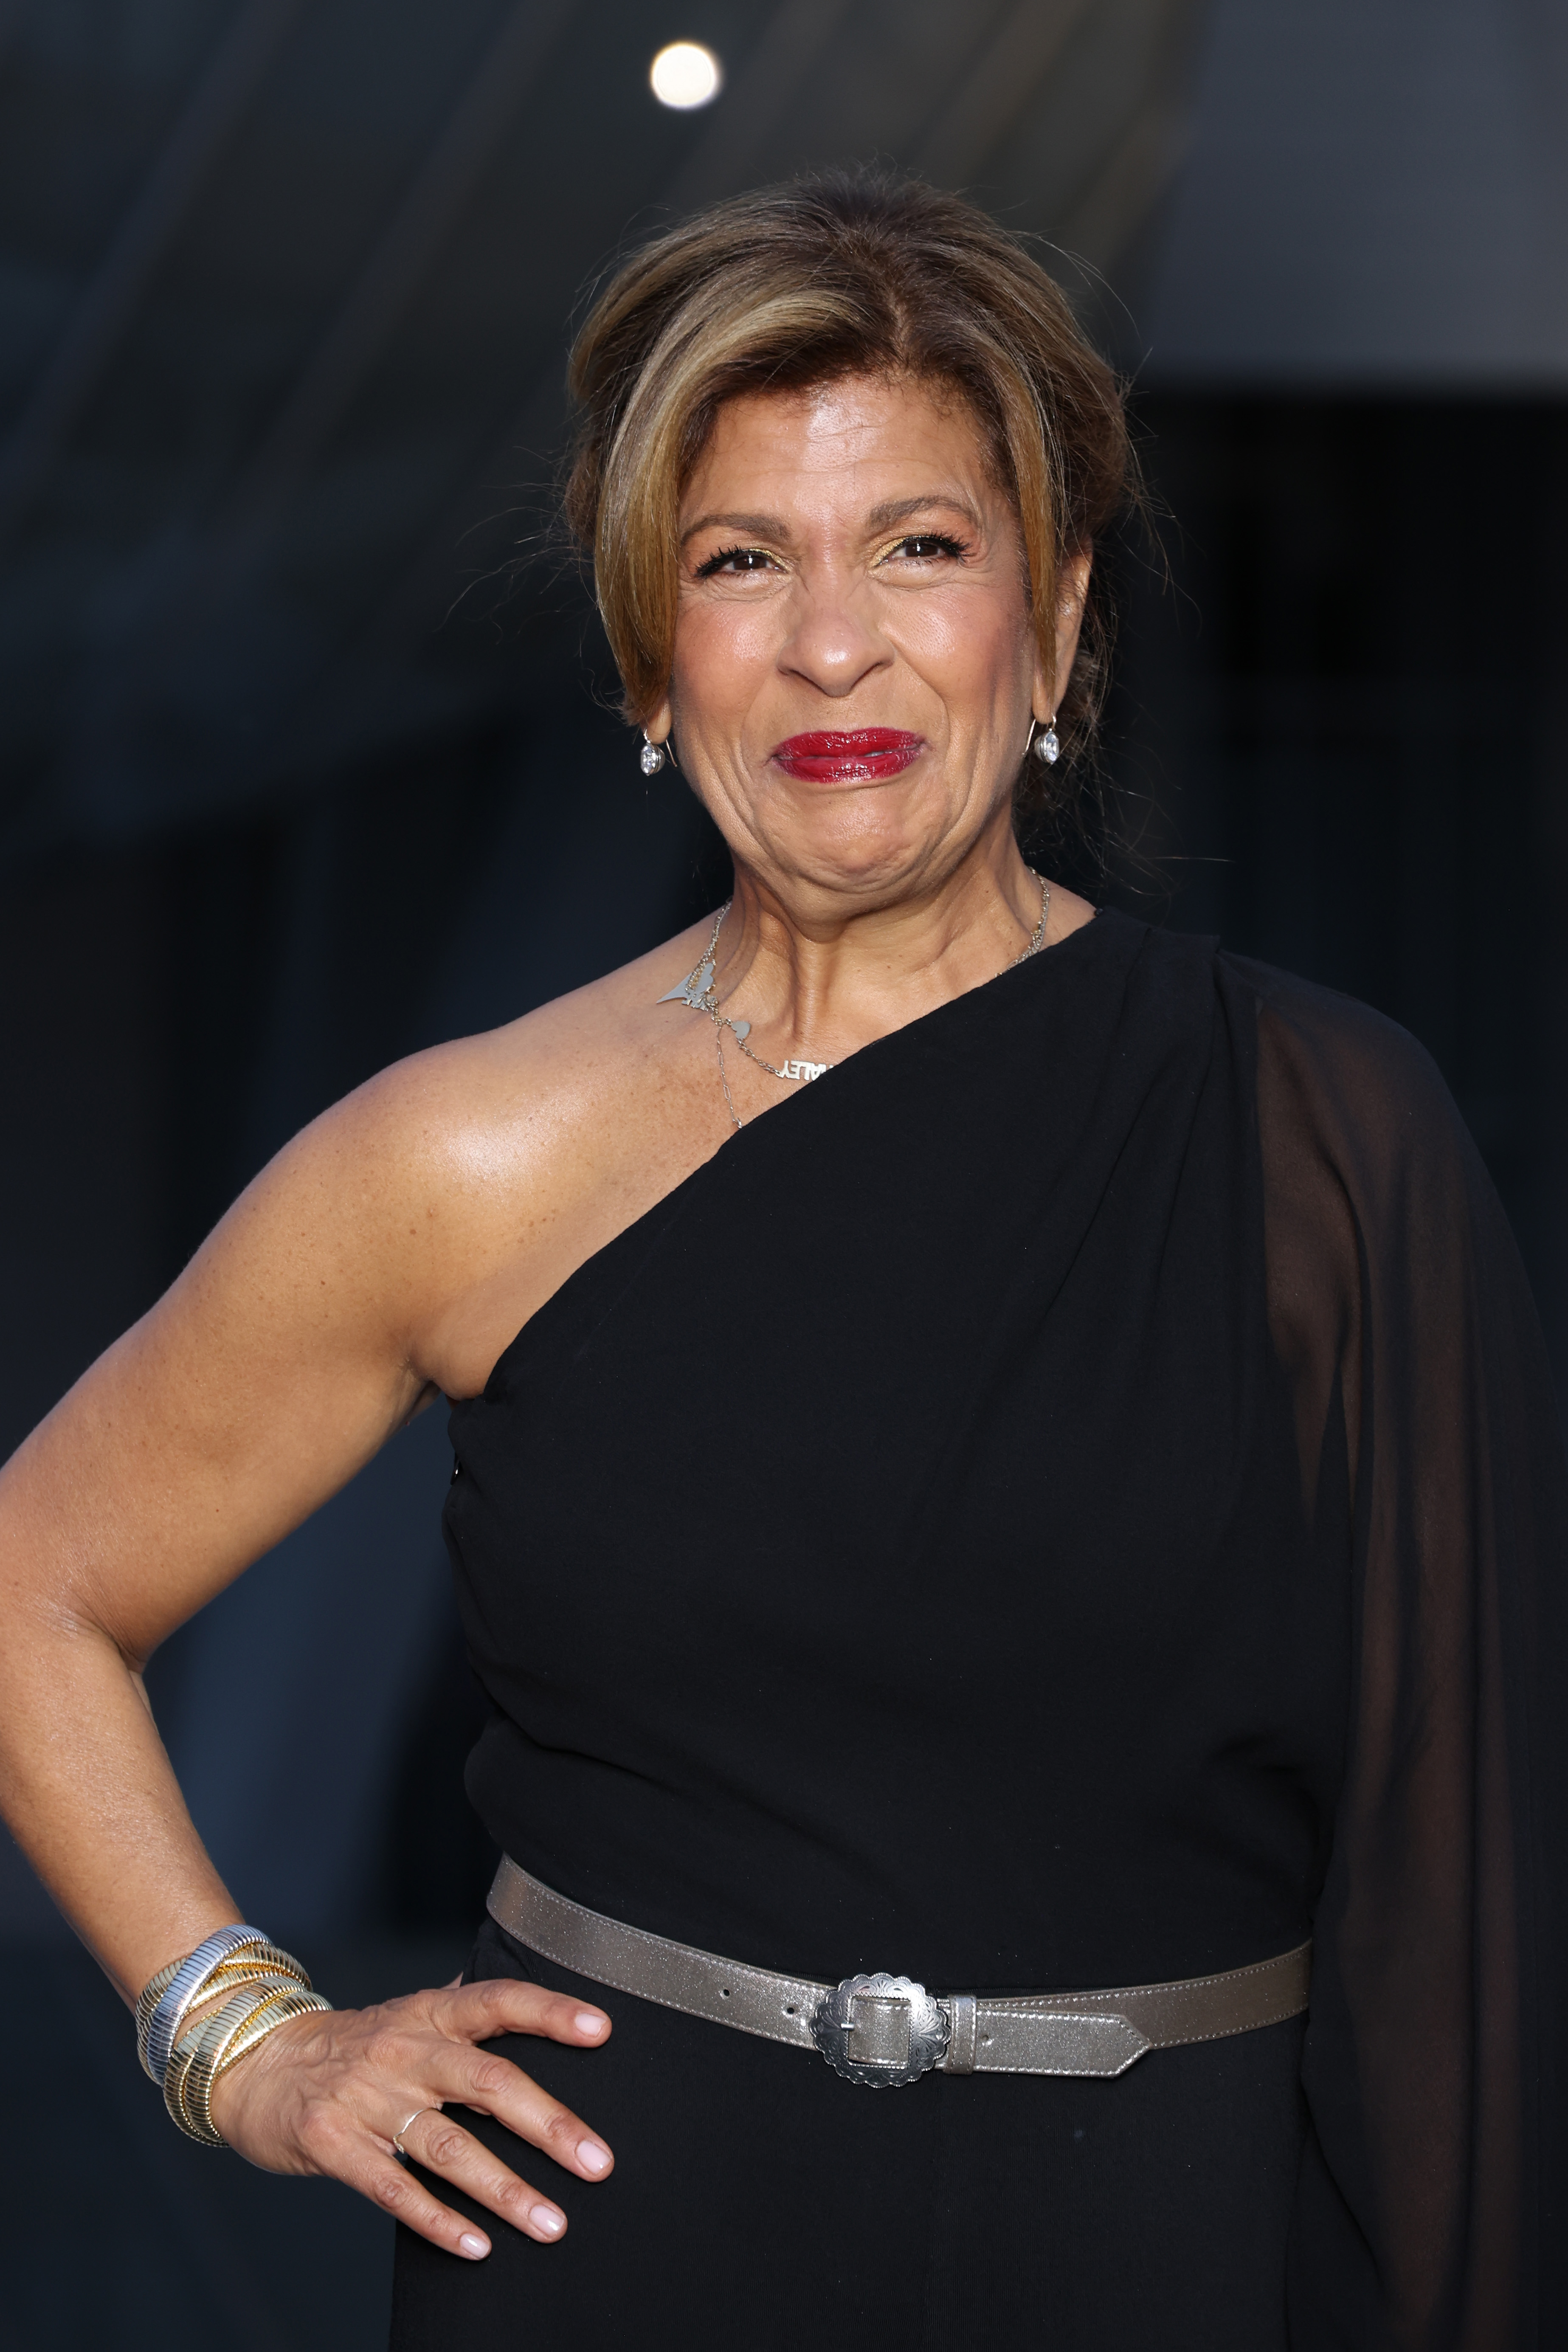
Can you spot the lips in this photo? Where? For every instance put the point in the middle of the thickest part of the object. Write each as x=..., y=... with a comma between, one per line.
x=858, y=755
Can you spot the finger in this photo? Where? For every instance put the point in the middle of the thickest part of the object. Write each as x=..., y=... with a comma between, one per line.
x=499, y=2005
x=441, y=2145
x=406, y=2199
x=483, y=2079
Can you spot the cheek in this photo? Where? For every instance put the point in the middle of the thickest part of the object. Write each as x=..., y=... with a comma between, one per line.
x=720, y=650
x=975, y=649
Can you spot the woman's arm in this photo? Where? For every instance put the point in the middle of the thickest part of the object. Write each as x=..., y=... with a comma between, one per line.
x=303, y=1336
x=274, y=1367
x=1433, y=1479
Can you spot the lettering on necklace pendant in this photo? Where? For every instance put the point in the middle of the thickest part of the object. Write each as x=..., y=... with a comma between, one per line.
x=698, y=991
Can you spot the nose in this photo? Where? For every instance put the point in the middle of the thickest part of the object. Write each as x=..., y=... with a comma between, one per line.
x=834, y=646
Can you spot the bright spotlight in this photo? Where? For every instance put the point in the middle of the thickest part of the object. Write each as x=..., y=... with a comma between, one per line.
x=686, y=75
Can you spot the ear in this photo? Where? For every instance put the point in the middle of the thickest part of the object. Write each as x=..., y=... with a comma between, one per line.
x=1072, y=588
x=658, y=726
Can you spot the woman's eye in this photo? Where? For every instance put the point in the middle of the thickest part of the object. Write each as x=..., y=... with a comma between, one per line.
x=922, y=547
x=735, y=561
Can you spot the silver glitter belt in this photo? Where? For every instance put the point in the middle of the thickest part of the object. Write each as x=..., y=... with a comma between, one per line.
x=885, y=2030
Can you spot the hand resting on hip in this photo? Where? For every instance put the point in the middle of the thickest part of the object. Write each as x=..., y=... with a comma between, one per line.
x=329, y=2092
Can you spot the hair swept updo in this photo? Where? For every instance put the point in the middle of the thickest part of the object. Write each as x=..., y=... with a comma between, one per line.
x=836, y=275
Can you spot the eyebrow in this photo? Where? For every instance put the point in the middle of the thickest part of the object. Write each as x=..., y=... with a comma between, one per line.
x=755, y=526
x=894, y=510
x=881, y=518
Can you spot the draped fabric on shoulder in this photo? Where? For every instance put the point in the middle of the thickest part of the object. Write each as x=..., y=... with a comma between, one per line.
x=1429, y=1430
x=1073, y=1498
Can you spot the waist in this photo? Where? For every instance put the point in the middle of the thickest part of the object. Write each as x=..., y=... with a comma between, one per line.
x=883, y=2030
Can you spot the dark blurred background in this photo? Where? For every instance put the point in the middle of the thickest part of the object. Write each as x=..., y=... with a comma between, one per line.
x=307, y=757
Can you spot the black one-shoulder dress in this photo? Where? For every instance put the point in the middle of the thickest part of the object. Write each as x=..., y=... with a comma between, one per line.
x=1073, y=1498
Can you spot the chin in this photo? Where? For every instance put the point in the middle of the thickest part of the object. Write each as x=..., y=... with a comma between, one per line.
x=863, y=846
x=873, y=861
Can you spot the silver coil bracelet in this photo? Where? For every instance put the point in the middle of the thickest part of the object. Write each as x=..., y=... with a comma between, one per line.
x=200, y=2014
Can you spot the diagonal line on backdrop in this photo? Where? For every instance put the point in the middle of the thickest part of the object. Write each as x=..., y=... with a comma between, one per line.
x=1104, y=215
x=797, y=34
x=376, y=301
x=109, y=301
x=387, y=283
x=1117, y=191
x=1001, y=84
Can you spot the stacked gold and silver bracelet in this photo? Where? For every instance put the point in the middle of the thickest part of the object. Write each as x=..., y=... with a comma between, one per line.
x=256, y=1988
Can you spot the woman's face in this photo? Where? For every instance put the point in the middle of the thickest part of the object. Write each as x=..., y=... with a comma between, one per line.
x=854, y=664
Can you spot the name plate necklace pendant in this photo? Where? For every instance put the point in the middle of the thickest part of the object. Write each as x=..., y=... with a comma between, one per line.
x=700, y=990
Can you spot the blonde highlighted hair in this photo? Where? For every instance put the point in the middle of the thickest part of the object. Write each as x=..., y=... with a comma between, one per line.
x=842, y=274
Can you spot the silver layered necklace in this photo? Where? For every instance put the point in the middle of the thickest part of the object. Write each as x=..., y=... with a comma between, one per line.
x=700, y=990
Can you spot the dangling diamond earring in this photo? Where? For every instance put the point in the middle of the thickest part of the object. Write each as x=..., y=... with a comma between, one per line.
x=651, y=755
x=1047, y=747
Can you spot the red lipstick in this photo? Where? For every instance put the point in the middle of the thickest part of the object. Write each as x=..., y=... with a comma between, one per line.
x=858, y=755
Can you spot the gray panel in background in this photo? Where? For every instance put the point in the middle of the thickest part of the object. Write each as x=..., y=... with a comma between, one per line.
x=1375, y=194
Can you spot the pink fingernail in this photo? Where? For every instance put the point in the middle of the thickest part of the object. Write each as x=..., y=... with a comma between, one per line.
x=545, y=2218
x=587, y=2024
x=592, y=2157
x=472, y=2246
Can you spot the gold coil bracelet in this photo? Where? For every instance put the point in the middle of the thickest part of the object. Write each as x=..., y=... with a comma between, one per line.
x=200, y=2014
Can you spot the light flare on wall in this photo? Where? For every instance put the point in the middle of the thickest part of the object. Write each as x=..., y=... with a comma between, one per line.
x=686, y=75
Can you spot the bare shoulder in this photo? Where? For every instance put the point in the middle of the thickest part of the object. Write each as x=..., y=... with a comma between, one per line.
x=530, y=1073
x=462, y=1186
x=518, y=1101
x=395, y=1247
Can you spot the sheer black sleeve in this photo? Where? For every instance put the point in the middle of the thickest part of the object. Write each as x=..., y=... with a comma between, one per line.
x=1428, y=2211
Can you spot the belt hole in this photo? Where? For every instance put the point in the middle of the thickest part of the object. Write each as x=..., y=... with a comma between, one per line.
x=724, y=1992
x=791, y=2009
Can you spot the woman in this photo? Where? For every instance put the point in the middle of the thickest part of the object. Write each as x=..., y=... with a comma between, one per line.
x=1068, y=1506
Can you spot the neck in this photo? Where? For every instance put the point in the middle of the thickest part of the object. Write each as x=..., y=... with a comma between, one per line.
x=819, y=973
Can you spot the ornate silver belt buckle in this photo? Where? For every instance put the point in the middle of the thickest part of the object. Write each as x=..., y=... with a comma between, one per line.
x=880, y=2031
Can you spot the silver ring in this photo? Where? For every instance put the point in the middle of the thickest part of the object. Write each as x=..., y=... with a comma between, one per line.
x=431, y=2108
